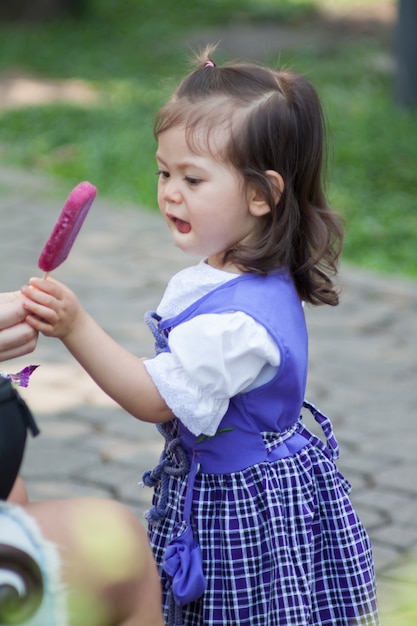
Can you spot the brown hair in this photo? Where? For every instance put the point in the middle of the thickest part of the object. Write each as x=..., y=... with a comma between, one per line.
x=274, y=121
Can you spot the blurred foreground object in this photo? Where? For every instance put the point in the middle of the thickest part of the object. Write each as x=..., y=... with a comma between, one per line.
x=15, y=420
x=21, y=585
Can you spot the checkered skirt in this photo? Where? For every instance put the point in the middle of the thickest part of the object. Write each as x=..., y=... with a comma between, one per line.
x=281, y=545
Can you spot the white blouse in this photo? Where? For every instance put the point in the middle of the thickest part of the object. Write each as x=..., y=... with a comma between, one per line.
x=213, y=357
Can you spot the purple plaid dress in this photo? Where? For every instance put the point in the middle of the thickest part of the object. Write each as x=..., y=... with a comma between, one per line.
x=254, y=526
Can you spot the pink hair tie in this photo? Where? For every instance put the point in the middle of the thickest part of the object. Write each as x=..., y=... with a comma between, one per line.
x=209, y=64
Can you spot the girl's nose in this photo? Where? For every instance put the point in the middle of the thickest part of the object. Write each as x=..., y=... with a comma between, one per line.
x=171, y=192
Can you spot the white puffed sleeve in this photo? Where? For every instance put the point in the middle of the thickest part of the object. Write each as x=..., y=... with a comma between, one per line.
x=213, y=357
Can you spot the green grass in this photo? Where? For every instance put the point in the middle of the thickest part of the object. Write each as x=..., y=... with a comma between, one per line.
x=134, y=57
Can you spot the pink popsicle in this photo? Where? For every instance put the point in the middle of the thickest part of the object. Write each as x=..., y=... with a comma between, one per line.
x=67, y=227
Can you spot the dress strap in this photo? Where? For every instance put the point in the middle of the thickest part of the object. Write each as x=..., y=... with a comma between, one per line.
x=194, y=469
x=332, y=448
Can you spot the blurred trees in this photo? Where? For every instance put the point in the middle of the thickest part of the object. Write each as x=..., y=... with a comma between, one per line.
x=39, y=10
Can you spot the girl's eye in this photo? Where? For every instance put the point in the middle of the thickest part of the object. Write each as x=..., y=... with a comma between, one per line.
x=192, y=181
x=162, y=174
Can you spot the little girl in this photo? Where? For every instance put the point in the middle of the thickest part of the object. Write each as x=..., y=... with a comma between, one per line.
x=251, y=523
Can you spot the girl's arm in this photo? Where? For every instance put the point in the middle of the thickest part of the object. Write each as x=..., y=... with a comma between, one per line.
x=55, y=311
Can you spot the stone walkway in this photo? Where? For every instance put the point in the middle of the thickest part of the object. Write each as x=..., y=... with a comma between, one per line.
x=363, y=369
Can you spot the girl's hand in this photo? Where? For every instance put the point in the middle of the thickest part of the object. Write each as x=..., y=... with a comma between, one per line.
x=51, y=307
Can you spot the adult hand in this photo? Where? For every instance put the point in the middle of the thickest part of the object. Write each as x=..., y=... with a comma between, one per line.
x=16, y=336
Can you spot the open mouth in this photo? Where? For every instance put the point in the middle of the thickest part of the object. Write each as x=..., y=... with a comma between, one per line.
x=181, y=225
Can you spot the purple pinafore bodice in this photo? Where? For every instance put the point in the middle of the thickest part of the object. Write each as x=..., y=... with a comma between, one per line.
x=273, y=407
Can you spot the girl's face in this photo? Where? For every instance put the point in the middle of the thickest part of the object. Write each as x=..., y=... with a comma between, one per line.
x=205, y=204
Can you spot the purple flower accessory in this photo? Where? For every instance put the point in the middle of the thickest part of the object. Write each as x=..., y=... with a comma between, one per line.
x=21, y=379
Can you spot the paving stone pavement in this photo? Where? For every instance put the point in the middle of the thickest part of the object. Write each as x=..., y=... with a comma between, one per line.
x=363, y=367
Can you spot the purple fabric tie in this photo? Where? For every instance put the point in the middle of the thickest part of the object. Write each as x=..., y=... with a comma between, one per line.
x=182, y=560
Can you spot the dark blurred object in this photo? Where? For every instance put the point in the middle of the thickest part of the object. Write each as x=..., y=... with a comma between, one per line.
x=21, y=589
x=406, y=88
x=15, y=420
x=21, y=580
x=40, y=10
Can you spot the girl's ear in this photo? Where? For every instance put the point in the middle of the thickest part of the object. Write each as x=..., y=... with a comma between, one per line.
x=258, y=206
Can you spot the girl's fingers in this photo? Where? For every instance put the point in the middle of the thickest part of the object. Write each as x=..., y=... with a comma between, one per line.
x=39, y=325
x=47, y=286
x=37, y=296
x=41, y=306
